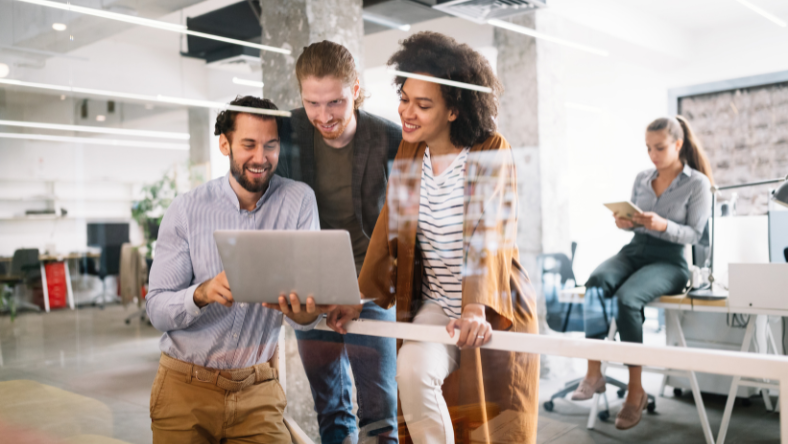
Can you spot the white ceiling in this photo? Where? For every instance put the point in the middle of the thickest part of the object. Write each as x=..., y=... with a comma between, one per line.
x=689, y=16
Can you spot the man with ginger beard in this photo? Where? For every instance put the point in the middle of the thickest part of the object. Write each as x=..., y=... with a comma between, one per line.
x=217, y=379
x=343, y=154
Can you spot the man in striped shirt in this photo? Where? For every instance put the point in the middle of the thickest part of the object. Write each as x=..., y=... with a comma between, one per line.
x=217, y=377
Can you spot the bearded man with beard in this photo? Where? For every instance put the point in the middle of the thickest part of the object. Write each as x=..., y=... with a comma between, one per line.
x=343, y=154
x=217, y=378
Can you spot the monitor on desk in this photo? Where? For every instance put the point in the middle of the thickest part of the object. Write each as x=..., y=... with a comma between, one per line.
x=739, y=239
x=107, y=234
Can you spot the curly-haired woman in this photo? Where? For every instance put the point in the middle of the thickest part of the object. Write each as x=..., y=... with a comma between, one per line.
x=444, y=252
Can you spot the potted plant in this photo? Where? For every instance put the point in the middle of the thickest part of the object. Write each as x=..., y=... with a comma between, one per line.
x=149, y=211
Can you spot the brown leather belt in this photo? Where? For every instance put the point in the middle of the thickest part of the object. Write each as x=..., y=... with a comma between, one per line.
x=231, y=380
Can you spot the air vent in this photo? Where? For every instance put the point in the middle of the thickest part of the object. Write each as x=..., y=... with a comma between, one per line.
x=480, y=11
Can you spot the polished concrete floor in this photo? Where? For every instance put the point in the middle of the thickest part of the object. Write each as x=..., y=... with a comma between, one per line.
x=84, y=377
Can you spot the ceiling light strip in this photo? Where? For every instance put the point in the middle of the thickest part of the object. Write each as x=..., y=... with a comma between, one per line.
x=255, y=83
x=146, y=98
x=539, y=35
x=236, y=42
x=382, y=21
x=173, y=27
x=411, y=75
x=769, y=16
x=108, y=15
x=95, y=129
x=96, y=141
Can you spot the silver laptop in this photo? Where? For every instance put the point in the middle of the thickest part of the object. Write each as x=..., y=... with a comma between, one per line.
x=763, y=286
x=263, y=264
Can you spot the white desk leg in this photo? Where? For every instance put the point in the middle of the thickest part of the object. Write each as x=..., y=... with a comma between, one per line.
x=762, y=337
x=46, y=288
x=784, y=402
x=704, y=419
x=662, y=385
x=594, y=411
x=69, y=290
x=726, y=416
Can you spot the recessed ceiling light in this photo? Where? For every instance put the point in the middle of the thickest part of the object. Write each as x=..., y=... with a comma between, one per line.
x=59, y=26
x=62, y=97
x=101, y=118
x=4, y=70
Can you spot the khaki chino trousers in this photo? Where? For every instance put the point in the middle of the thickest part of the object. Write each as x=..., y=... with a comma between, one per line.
x=185, y=410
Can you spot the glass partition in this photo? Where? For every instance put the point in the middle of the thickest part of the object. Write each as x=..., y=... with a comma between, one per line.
x=460, y=153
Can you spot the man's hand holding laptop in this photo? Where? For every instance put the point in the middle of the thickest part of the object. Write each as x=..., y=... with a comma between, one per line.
x=217, y=290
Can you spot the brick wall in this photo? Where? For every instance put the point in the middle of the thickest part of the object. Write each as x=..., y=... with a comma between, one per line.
x=745, y=133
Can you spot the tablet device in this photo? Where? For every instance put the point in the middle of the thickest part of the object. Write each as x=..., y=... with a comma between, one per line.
x=623, y=209
x=262, y=264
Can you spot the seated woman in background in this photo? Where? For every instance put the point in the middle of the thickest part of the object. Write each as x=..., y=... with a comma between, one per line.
x=444, y=250
x=675, y=198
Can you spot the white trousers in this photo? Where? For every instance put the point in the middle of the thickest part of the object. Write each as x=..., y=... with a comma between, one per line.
x=421, y=369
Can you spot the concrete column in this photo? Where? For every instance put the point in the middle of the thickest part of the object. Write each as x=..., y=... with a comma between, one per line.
x=532, y=118
x=294, y=24
x=200, y=134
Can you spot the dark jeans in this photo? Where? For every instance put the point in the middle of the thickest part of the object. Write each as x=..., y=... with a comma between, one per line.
x=642, y=271
x=327, y=358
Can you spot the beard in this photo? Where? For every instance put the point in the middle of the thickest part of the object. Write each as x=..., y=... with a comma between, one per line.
x=341, y=125
x=238, y=171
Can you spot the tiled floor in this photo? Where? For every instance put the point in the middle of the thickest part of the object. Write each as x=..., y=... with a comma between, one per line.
x=72, y=375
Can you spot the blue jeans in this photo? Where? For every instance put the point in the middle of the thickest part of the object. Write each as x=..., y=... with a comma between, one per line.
x=327, y=357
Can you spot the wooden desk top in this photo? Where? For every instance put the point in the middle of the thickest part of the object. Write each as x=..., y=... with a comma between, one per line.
x=58, y=257
x=679, y=302
x=578, y=294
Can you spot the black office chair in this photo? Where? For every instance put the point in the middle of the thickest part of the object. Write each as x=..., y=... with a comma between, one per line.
x=560, y=264
x=25, y=269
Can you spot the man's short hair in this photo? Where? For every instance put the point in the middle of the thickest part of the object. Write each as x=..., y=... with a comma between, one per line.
x=225, y=121
x=327, y=58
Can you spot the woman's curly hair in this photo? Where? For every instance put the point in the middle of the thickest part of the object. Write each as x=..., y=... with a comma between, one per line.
x=441, y=56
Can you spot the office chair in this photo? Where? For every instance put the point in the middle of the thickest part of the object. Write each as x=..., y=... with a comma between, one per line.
x=572, y=385
x=25, y=269
x=560, y=264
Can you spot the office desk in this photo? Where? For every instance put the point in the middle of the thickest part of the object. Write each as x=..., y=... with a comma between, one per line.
x=673, y=306
x=64, y=258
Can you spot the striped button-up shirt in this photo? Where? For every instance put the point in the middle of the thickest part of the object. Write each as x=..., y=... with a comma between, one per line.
x=686, y=204
x=186, y=255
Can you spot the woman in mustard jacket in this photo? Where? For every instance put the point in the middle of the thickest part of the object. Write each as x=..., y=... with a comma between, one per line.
x=444, y=251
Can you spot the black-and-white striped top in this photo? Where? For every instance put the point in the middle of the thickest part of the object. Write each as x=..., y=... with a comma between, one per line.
x=440, y=233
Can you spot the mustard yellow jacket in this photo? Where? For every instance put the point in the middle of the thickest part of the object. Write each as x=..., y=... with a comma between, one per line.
x=493, y=396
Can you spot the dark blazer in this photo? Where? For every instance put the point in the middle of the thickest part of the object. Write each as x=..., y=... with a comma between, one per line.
x=375, y=144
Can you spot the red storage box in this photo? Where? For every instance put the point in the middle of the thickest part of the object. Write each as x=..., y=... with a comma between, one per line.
x=56, y=284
